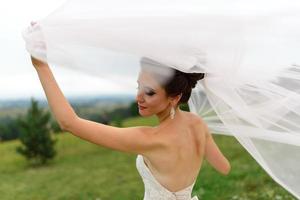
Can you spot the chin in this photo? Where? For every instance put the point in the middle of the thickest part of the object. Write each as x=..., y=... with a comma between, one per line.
x=143, y=114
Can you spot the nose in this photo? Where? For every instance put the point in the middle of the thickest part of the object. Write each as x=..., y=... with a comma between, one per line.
x=139, y=97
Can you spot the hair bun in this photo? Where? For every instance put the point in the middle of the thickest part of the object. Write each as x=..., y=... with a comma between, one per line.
x=193, y=78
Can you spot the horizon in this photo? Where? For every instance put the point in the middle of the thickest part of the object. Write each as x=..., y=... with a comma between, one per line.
x=74, y=96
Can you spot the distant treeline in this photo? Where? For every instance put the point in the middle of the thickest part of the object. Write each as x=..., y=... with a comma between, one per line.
x=9, y=128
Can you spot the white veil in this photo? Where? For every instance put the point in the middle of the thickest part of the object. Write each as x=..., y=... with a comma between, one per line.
x=250, y=52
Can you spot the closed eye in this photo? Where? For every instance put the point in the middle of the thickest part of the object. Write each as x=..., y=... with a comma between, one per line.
x=151, y=93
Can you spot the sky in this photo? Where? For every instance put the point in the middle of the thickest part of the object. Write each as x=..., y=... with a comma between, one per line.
x=18, y=78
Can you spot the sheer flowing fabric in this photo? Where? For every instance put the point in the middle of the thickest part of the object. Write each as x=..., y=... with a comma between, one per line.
x=249, y=50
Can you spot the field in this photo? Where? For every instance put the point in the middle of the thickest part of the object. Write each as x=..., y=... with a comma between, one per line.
x=82, y=170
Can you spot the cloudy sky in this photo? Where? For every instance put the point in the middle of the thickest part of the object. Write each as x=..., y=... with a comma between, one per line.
x=18, y=79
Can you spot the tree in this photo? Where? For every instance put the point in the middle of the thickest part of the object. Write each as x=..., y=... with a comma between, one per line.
x=35, y=135
x=185, y=107
x=55, y=128
x=133, y=108
x=9, y=129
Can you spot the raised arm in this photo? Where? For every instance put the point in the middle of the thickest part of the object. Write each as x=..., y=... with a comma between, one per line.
x=214, y=156
x=59, y=106
x=138, y=140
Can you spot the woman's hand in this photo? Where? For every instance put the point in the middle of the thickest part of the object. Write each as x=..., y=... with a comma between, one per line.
x=35, y=62
x=38, y=63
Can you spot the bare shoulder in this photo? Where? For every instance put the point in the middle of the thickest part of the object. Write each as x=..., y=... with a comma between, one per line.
x=194, y=118
x=152, y=134
x=198, y=123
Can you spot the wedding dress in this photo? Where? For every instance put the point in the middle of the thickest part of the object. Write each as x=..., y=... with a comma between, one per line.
x=248, y=50
x=155, y=191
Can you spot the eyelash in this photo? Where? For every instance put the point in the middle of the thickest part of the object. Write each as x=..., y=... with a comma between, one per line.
x=148, y=93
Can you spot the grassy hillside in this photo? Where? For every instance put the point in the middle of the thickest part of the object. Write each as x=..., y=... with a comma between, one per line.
x=83, y=170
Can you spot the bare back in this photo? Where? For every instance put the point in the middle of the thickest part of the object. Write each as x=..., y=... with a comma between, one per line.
x=177, y=165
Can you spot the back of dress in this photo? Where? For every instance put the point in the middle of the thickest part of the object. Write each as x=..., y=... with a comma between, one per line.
x=155, y=191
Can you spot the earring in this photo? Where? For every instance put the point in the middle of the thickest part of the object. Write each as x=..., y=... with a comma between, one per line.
x=172, y=112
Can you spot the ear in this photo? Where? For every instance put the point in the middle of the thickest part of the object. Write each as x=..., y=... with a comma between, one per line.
x=176, y=99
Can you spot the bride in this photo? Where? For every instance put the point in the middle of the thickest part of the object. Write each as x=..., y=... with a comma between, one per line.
x=247, y=50
x=170, y=155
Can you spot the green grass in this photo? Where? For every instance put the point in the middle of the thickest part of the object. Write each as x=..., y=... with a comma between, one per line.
x=82, y=170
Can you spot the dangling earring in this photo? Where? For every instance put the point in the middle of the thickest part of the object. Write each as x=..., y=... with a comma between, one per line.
x=172, y=112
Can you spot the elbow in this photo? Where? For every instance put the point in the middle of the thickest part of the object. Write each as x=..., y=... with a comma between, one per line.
x=66, y=125
x=63, y=126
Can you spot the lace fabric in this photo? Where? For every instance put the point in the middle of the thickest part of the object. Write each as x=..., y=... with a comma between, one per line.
x=155, y=191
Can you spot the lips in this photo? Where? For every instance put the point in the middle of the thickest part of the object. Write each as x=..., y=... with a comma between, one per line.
x=141, y=107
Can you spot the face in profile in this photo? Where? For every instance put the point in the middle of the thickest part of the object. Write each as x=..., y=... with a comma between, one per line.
x=151, y=97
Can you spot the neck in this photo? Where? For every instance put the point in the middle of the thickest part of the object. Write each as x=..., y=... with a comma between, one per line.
x=165, y=117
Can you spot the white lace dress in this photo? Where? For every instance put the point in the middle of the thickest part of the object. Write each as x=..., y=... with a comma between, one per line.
x=155, y=191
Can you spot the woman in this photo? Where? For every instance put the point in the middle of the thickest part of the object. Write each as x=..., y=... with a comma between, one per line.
x=170, y=155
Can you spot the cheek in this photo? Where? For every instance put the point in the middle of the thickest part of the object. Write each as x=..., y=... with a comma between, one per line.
x=155, y=102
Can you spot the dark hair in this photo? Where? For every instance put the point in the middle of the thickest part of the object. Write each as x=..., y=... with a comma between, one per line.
x=179, y=82
x=183, y=83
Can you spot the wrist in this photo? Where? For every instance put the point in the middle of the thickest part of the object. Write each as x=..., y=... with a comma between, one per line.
x=41, y=67
x=38, y=63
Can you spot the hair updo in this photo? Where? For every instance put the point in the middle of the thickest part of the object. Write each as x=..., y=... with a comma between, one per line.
x=178, y=83
x=183, y=83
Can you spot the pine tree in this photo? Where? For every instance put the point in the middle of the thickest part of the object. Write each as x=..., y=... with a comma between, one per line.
x=35, y=136
x=55, y=128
